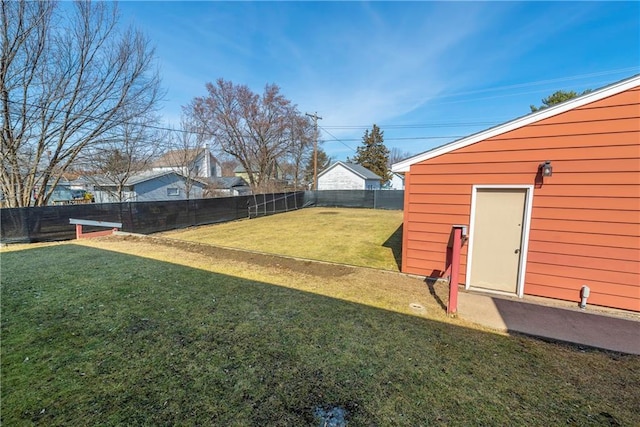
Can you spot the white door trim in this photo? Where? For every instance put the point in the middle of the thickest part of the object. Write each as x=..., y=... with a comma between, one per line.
x=525, y=233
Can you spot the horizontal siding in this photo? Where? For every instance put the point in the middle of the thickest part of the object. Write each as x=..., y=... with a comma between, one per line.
x=527, y=175
x=439, y=256
x=440, y=189
x=428, y=261
x=586, y=262
x=606, y=300
x=595, y=114
x=588, y=202
x=514, y=142
x=594, y=127
x=430, y=227
x=604, y=165
x=605, y=252
x=587, y=239
x=549, y=189
x=425, y=245
x=586, y=274
x=440, y=208
x=589, y=227
x=585, y=226
x=629, y=97
x=428, y=236
x=575, y=285
x=439, y=218
x=596, y=190
x=587, y=214
x=438, y=199
x=555, y=153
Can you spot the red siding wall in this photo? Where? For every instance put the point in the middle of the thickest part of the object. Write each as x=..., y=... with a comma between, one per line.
x=585, y=226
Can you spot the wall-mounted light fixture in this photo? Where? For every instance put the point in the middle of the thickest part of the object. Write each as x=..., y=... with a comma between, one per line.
x=545, y=168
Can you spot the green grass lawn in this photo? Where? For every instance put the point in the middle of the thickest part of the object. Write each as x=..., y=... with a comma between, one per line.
x=362, y=237
x=95, y=336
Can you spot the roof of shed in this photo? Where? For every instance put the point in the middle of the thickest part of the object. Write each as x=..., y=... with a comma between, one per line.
x=359, y=170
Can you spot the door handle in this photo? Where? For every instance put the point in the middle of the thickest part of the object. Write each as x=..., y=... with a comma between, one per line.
x=517, y=251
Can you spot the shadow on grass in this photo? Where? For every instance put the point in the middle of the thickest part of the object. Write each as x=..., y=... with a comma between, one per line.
x=112, y=339
x=431, y=282
x=394, y=242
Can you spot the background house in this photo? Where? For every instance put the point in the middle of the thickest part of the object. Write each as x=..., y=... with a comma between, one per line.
x=151, y=186
x=274, y=173
x=228, y=186
x=396, y=182
x=348, y=176
x=194, y=162
x=67, y=192
x=531, y=234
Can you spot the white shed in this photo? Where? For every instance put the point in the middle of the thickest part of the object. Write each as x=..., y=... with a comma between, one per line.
x=348, y=176
x=396, y=182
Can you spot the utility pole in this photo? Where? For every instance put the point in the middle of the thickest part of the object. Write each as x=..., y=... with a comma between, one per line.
x=315, y=118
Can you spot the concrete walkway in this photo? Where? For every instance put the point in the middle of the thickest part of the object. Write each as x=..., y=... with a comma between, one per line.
x=588, y=327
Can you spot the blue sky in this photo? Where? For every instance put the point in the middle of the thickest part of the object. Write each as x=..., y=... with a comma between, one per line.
x=425, y=72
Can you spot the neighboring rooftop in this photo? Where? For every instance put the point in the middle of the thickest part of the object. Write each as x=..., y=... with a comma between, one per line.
x=355, y=168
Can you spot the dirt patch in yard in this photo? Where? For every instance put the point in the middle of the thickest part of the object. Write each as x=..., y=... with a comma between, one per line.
x=286, y=264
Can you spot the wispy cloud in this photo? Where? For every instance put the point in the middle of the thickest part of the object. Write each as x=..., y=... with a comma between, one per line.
x=358, y=63
x=387, y=65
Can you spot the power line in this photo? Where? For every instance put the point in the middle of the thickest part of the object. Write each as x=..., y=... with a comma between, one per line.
x=398, y=126
x=337, y=139
x=323, y=128
x=90, y=117
x=416, y=126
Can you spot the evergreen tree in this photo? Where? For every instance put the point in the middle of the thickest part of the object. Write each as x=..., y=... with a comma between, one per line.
x=557, y=97
x=323, y=162
x=373, y=154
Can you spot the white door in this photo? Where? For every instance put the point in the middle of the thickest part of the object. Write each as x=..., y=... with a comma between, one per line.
x=497, y=239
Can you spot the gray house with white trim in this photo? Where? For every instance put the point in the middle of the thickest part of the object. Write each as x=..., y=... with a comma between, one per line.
x=151, y=186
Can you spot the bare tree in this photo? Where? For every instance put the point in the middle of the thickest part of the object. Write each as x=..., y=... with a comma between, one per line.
x=228, y=164
x=186, y=154
x=129, y=152
x=301, y=148
x=255, y=129
x=397, y=154
x=69, y=77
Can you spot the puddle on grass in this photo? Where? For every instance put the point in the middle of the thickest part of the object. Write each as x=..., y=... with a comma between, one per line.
x=331, y=417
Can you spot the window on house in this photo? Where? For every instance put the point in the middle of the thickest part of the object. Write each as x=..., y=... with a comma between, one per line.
x=173, y=191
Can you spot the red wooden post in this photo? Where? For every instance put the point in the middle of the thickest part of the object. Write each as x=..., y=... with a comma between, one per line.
x=78, y=231
x=452, y=307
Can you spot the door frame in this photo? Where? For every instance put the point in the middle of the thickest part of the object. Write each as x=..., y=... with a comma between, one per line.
x=528, y=204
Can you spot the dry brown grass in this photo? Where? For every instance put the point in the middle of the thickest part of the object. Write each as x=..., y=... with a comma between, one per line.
x=362, y=237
